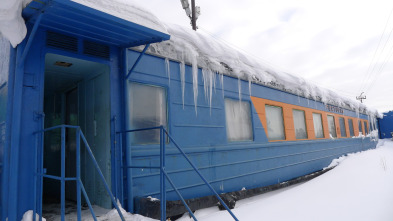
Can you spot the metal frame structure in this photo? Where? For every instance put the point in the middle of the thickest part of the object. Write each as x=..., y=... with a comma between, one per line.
x=164, y=175
x=79, y=185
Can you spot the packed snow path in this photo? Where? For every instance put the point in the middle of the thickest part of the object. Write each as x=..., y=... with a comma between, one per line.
x=359, y=188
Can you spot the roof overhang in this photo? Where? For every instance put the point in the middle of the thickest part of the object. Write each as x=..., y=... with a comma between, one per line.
x=73, y=18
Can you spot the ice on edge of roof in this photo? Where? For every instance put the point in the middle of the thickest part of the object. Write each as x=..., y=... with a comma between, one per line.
x=204, y=51
x=192, y=47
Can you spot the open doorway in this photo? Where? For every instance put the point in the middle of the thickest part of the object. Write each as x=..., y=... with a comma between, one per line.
x=77, y=92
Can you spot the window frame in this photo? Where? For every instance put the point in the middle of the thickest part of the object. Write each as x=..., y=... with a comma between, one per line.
x=251, y=121
x=322, y=124
x=294, y=126
x=283, y=122
x=335, y=126
x=128, y=111
x=342, y=129
x=366, y=130
x=349, y=128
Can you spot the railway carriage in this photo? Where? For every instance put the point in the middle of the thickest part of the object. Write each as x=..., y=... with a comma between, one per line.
x=77, y=87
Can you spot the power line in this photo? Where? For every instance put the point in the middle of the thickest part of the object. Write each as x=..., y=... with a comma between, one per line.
x=373, y=63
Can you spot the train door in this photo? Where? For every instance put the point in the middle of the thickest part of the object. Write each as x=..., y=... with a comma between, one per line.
x=77, y=92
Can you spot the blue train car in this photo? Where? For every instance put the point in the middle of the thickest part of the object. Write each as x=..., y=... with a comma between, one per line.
x=75, y=88
x=386, y=125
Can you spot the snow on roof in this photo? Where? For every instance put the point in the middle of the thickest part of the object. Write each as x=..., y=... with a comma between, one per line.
x=127, y=10
x=12, y=25
x=199, y=49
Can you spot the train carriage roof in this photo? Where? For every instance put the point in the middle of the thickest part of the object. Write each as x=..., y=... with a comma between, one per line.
x=206, y=52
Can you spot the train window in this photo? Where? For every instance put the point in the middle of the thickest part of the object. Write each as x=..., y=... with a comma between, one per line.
x=332, y=126
x=275, y=123
x=365, y=127
x=350, y=124
x=238, y=118
x=360, y=127
x=148, y=108
x=300, y=124
x=342, y=127
x=318, y=126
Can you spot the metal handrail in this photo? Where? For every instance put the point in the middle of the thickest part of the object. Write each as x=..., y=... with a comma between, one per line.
x=79, y=184
x=164, y=174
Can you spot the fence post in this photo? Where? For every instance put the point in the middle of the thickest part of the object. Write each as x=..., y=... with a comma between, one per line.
x=162, y=176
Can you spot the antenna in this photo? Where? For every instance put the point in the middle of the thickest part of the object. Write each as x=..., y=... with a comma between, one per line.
x=361, y=97
x=192, y=13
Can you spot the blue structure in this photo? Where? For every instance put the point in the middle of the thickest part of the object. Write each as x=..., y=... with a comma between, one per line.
x=386, y=125
x=75, y=68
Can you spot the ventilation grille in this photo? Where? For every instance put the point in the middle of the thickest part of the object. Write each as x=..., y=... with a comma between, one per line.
x=65, y=42
x=96, y=49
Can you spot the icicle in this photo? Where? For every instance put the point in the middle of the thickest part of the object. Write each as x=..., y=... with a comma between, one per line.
x=222, y=83
x=209, y=81
x=214, y=79
x=168, y=71
x=182, y=79
x=249, y=85
x=212, y=85
x=195, y=85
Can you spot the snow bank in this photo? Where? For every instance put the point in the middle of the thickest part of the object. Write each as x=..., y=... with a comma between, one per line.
x=198, y=49
x=28, y=216
x=13, y=27
x=359, y=188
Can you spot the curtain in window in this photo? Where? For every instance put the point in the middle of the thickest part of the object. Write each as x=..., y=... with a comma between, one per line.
x=300, y=124
x=342, y=127
x=318, y=126
x=275, y=123
x=332, y=126
x=148, y=108
x=238, y=118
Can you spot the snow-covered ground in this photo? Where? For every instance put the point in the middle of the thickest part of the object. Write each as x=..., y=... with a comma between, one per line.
x=359, y=188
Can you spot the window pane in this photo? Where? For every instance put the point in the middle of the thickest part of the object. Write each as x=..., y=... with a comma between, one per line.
x=275, y=123
x=360, y=127
x=318, y=126
x=365, y=127
x=332, y=126
x=342, y=127
x=148, y=108
x=238, y=118
x=300, y=124
x=350, y=124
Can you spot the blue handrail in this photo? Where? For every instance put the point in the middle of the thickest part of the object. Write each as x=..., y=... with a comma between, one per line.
x=164, y=174
x=79, y=185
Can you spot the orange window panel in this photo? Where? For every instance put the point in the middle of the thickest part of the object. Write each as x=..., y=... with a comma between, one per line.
x=289, y=127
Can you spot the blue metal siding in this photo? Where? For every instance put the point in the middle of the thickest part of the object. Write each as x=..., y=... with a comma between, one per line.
x=229, y=166
x=386, y=125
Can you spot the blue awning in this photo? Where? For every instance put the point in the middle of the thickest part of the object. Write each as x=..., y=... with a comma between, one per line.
x=70, y=17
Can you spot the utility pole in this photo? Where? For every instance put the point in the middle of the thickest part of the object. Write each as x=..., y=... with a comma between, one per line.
x=193, y=17
x=361, y=97
x=192, y=13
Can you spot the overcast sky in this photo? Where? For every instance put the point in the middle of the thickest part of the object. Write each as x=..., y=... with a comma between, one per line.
x=330, y=43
